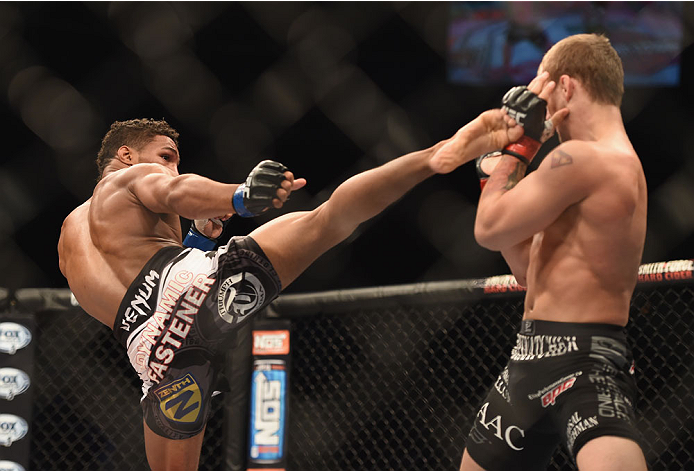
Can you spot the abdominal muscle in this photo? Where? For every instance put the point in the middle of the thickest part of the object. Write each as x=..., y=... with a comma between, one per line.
x=567, y=284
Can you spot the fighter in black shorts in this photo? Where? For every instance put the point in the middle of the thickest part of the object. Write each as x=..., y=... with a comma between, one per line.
x=178, y=318
x=572, y=232
x=564, y=383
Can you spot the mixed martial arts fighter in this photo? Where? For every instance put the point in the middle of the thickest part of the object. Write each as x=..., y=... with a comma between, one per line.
x=573, y=232
x=174, y=308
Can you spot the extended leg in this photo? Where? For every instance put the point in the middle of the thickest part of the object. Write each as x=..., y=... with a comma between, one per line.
x=164, y=454
x=611, y=454
x=294, y=241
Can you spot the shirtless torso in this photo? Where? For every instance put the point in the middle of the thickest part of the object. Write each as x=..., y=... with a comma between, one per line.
x=98, y=256
x=583, y=267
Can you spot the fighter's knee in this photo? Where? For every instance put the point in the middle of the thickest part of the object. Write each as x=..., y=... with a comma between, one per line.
x=611, y=453
x=468, y=464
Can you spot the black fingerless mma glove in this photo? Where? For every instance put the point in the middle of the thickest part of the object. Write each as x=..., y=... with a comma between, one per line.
x=529, y=111
x=256, y=194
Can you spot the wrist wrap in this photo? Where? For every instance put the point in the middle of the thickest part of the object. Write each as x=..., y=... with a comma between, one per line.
x=196, y=240
x=237, y=202
x=481, y=174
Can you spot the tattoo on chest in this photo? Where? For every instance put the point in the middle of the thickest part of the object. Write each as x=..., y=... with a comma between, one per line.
x=561, y=158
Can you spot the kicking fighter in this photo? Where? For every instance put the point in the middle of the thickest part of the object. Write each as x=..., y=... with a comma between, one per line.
x=573, y=232
x=174, y=308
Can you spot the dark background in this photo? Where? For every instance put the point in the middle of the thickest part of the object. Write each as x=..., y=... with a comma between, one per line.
x=329, y=89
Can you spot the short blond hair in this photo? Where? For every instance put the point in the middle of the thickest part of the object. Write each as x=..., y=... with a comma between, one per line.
x=591, y=59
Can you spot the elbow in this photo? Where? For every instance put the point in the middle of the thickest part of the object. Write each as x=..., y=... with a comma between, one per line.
x=485, y=235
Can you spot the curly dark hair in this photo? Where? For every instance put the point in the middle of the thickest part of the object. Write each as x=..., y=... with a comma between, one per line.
x=133, y=132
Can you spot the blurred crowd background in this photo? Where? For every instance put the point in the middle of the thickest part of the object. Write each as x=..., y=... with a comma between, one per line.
x=329, y=89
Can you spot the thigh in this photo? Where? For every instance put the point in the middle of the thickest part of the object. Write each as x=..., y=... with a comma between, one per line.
x=294, y=241
x=600, y=404
x=608, y=453
x=165, y=454
x=504, y=437
x=177, y=408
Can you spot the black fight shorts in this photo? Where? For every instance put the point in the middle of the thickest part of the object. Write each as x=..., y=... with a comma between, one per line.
x=178, y=318
x=565, y=383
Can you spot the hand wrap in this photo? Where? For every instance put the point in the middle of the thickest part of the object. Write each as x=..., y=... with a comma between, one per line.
x=256, y=194
x=529, y=111
x=197, y=240
x=481, y=173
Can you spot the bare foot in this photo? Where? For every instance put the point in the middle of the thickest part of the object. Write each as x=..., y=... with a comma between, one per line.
x=491, y=130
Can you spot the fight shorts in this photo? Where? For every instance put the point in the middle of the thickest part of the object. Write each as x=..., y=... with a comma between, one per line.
x=564, y=383
x=178, y=318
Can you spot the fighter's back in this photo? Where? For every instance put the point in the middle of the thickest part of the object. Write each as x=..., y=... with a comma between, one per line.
x=105, y=242
x=583, y=267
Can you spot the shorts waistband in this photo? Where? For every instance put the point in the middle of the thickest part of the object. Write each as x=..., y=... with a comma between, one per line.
x=536, y=327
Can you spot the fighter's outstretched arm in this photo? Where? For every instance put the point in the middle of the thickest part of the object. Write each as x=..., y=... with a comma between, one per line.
x=196, y=197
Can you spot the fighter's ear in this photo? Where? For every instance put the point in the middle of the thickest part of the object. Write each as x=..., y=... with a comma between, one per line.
x=125, y=155
x=566, y=86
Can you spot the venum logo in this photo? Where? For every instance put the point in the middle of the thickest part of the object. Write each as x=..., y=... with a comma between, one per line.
x=12, y=429
x=240, y=295
x=13, y=382
x=13, y=337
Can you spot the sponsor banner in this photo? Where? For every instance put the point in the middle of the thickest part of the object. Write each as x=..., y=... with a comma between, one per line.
x=6, y=465
x=17, y=346
x=659, y=272
x=501, y=284
x=270, y=342
x=269, y=397
x=674, y=270
x=12, y=429
x=13, y=337
x=13, y=382
x=268, y=406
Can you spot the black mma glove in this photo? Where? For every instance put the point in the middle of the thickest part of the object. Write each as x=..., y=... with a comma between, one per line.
x=479, y=164
x=529, y=110
x=256, y=194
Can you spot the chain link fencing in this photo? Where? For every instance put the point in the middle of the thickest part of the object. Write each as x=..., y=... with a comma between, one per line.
x=380, y=381
x=398, y=386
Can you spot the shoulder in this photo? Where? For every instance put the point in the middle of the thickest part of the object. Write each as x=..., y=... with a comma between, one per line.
x=576, y=153
x=592, y=160
x=592, y=168
x=140, y=170
x=130, y=176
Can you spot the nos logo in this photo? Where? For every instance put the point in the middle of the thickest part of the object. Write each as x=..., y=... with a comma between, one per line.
x=180, y=400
